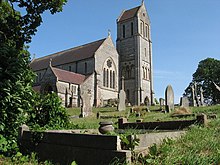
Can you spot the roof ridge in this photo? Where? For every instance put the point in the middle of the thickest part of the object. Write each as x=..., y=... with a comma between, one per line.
x=67, y=71
x=77, y=47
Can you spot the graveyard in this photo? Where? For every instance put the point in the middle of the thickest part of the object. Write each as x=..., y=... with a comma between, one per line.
x=103, y=101
x=145, y=144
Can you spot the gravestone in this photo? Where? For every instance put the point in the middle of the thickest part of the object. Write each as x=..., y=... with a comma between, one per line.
x=184, y=102
x=169, y=99
x=86, y=108
x=122, y=97
x=201, y=97
x=196, y=95
x=193, y=96
x=161, y=101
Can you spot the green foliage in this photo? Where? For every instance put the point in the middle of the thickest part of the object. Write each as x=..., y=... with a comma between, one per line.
x=73, y=163
x=15, y=90
x=48, y=112
x=129, y=141
x=3, y=144
x=16, y=94
x=20, y=28
x=207, y=72
x=18, y=158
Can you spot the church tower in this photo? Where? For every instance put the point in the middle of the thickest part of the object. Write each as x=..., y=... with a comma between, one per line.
x=135, y=54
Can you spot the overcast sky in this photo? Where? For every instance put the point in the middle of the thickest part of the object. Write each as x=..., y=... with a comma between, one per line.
x=184, y=32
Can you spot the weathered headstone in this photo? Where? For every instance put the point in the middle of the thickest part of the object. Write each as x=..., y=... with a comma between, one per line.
x=184, y=102
x=196, y=95
x=161, y=101
x=169, y=98
x=193, y=96
x=201, y=97
x=122, y=97
x=86, y=108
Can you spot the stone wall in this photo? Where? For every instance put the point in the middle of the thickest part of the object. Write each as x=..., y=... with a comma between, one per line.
x=162, y=125
x=105, y=52
x=63, y=148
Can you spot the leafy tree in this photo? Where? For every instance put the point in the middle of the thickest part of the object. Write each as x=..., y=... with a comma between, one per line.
x=208, y=71
x=16, y=78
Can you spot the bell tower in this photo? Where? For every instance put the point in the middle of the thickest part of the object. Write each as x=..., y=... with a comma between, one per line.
x=135, y=54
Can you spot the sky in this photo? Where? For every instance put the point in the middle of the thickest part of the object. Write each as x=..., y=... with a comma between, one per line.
x=183, y=32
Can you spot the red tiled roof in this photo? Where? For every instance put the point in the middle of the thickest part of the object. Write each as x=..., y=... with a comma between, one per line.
x=69, y=77
x=67, y=56
x=129, y=14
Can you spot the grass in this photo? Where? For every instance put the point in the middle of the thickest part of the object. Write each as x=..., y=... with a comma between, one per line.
x=200, y=145
x=92, y=122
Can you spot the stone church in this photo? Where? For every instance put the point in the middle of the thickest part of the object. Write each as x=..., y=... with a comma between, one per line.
x=97, y=67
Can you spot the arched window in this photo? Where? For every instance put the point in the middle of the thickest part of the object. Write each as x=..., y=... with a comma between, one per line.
x=143, y=73
x=107, y=80
x=85, y=67
x=149, y=77
x=132, y=29
x=123, y=29
x=127, y=72
x=146, y=73
x=104, y=77
x=109, y=74
x=111, y=79
x=146, y=30
x=132, y=71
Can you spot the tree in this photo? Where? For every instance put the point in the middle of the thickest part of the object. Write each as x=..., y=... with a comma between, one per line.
x=16, y=78
x=208, y=71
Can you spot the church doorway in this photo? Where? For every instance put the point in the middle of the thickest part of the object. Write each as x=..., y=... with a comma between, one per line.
x=48, y=89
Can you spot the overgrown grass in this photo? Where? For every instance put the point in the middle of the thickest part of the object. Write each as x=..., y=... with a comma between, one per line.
x=20, y=159
x=200, y=145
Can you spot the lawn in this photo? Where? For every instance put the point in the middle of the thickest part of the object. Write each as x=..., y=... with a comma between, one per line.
x=111, y=114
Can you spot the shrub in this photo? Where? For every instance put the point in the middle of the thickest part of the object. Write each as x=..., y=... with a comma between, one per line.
x=48, y=112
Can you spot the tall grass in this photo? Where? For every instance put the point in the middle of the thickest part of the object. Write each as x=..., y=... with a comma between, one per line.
x=200, y=145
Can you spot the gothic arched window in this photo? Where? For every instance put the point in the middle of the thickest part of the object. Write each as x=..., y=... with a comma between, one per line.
x=85, y=67
x=149, y=77
x=104, y=77
x=123, y=29
x=143, y=72
x=109, y=74
x=146, y=73
x=113, y=79
x=132, y=28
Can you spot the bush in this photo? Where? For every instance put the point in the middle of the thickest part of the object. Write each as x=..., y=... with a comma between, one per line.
x=48, y=112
